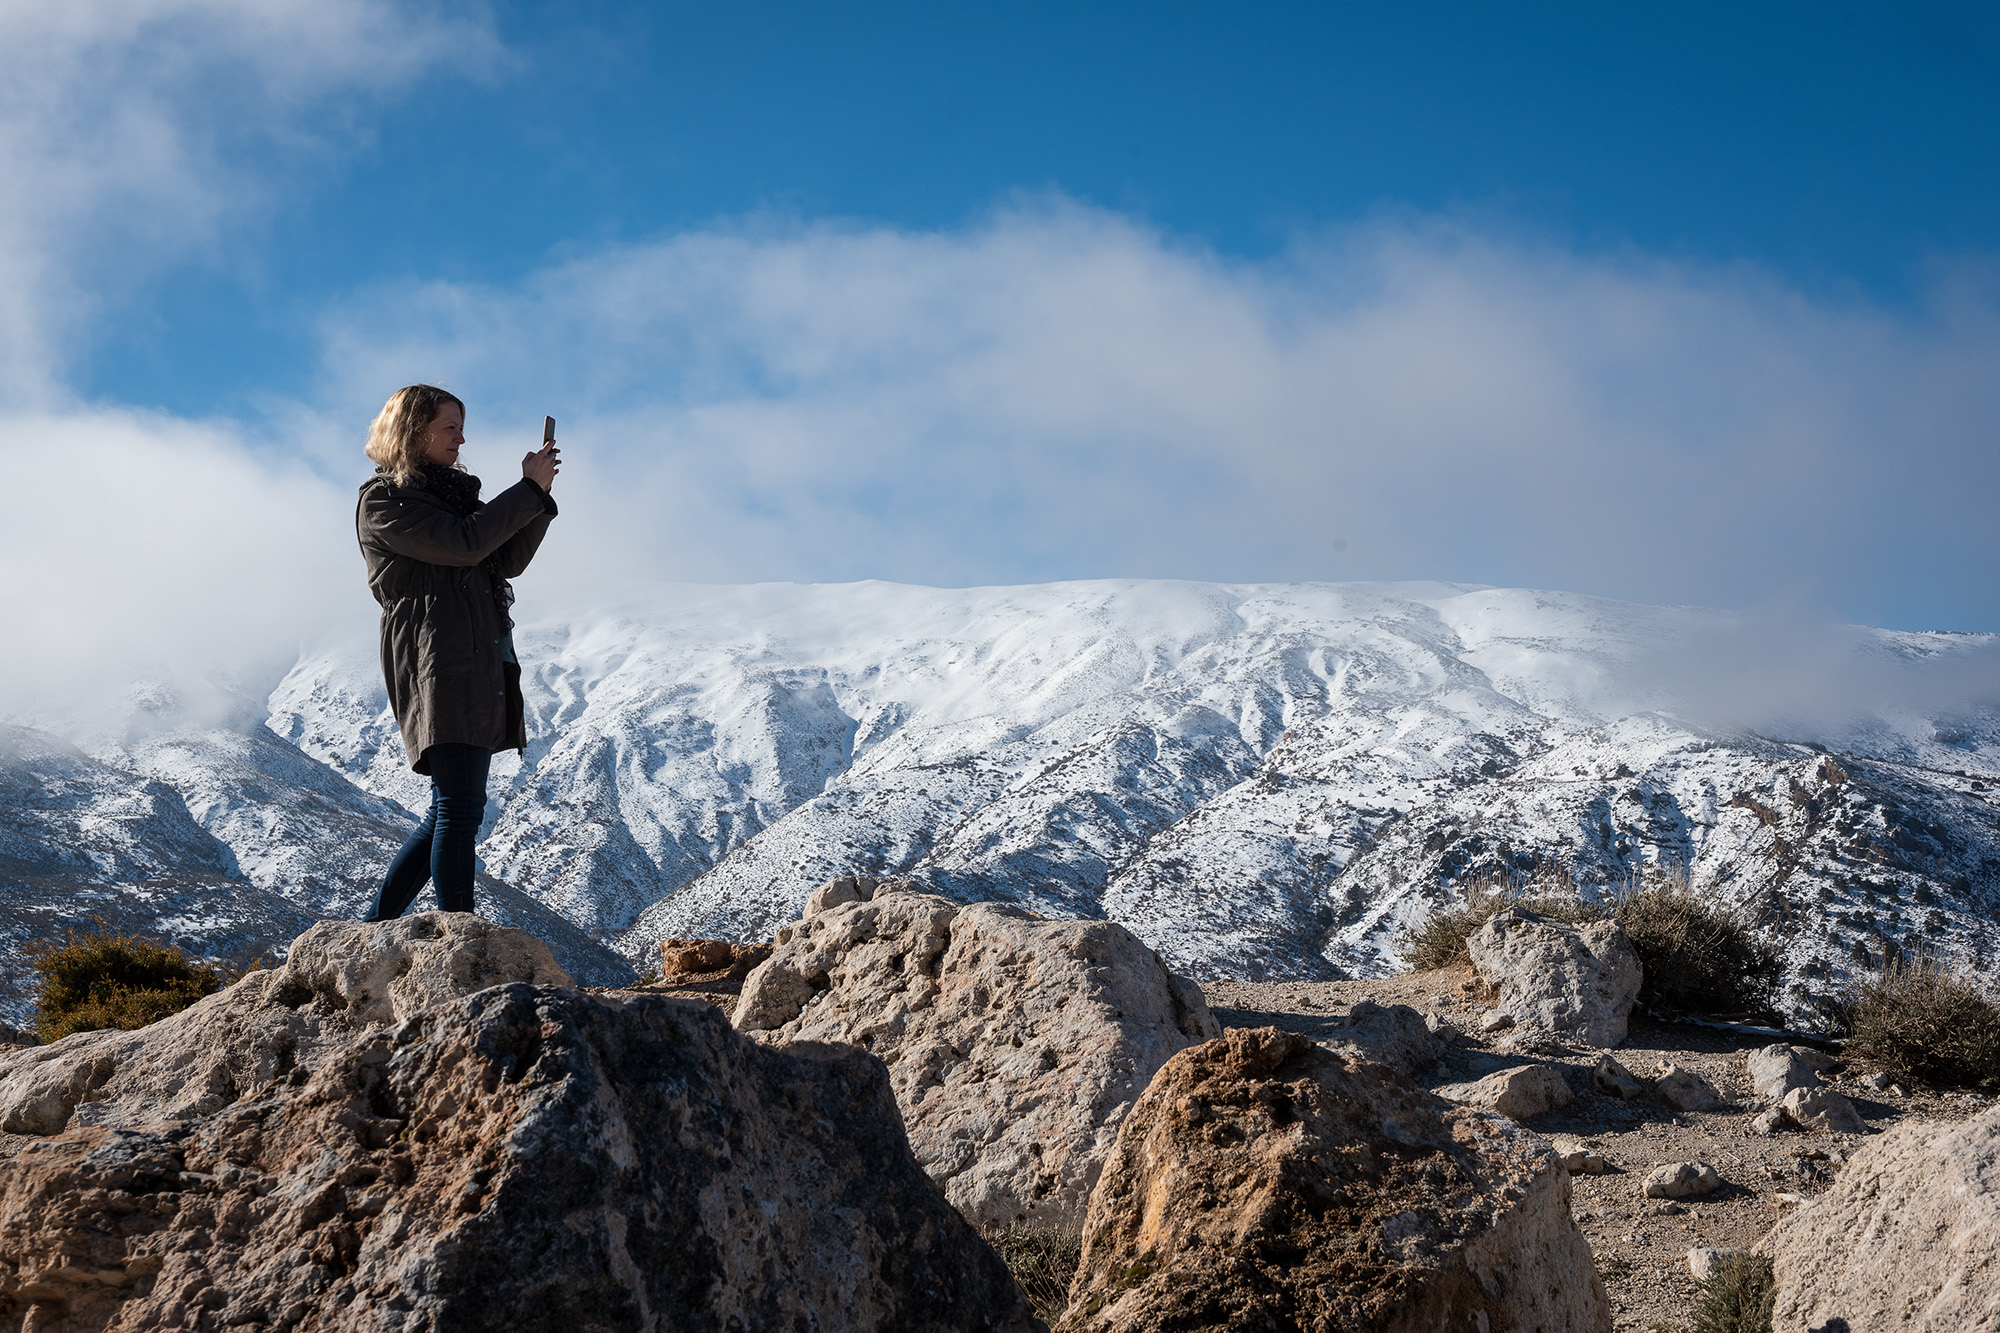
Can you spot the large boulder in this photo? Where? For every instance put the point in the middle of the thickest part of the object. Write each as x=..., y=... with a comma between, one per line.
x=341, y=980
x=1265, y=1183
x=1907, y=1238
x=526, y=1158
x=1558, y=980
x=1015, y=1045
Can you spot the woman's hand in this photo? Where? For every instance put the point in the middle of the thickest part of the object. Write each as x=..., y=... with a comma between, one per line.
x=540, y=466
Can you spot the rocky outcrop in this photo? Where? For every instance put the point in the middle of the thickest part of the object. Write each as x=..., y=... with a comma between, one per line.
x=1557, y=980
x=1015, y=1045
x=1263, y=1182
x=1394, y=1035
x=341, y=980
x=1515, y=1093
x=1907, y=1238
x=526, y=1158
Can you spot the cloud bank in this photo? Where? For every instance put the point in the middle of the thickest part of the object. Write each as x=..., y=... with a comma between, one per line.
x=1061, y=392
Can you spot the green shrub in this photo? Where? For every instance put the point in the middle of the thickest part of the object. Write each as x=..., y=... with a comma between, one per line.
x=1699, y=957
x=1043, y=1261
x=104, y=980
x=1738, y=1297
x=1926, y=1024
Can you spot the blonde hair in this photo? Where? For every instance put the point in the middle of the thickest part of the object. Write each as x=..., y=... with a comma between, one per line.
x=396, y=440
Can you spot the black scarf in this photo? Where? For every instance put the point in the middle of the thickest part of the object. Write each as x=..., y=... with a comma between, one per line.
x=458, y=490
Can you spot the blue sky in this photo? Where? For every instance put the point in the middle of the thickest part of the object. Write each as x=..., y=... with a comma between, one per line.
x=1676, y=303
x=1844, y=148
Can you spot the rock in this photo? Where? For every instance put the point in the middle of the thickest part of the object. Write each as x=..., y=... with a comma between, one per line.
x=1776, y=1070
x=1515, y=1093
x=13, y=1036
x=1684, y=1089
x=844, y=889
x=1769, y=1121
x=1821, y=1109
x=1706, y=1261
x=1896, y=1090
x=524, y=1157
x=1908, y=1237
x=1499, y=1020
x=1815, y=1059
x=1579, y=1157
x=1667, y=1209
x=1681, y=1180
x=689, y=958
x=1615, y=1080
x=1557, y=979
x=1262, y=1182
x=341, y=980
x=1015, y=1045
x=1394, y=1035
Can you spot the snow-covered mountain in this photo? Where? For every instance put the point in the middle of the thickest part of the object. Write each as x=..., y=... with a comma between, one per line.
x=1261, y=781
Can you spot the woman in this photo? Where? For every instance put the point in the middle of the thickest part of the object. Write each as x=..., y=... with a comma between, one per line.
x=438, y=562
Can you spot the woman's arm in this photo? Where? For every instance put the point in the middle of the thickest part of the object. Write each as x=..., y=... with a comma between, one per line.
x=433, y=534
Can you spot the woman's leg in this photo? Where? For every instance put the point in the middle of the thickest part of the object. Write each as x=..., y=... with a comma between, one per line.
x=459, y=774
x=409, y=870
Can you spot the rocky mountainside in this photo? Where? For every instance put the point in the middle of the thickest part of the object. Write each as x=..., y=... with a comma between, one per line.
x=1260, y=781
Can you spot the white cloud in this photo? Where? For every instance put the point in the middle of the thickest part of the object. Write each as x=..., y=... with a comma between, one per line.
x=133, y=133
x=1061, y=392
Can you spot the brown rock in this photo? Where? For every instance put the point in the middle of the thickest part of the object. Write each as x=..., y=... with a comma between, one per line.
x=1907, y=1238
x=1394, y=1035
x=1822, y=1109
x=342, y=980
x=525, y=1158
x=1615, y=1080
x=693, y=958
x=1015, y=1045
x=1684, y=1089
x=1265, y=1183
x=1681, y=1180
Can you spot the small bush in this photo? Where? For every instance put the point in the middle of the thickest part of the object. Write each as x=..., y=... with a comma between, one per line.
x=1926, y=1024
x=1738, y=1298
x=1043, y=1261
x=104, y=980
x=1699, y=957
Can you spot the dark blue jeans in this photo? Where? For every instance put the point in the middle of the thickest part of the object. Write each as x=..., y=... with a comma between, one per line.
x=441, y=848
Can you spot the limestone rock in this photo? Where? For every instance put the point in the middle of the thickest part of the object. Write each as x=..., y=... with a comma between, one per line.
x=1615, y=1080
x=691, y=958
x=1821, y=1109
x=522, y=1158
x=1681, y=1180
x=1768, y=1122
x=1015, y=1045
x=1515, y=1093
x=1775, y=1070
x=1394, y=1035
x=1497, y=1020
x=1707, y=1260
x=1907, y=1238
x=1579, y=1157
x=1556, y=979
x=1265, y=1183
x=341, y=980
x=1684, y=1089
x=844, y=889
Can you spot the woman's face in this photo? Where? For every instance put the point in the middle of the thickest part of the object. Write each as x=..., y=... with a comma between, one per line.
x=444, y=435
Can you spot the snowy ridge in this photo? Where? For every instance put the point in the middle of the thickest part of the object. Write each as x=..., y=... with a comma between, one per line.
x=1259, y=780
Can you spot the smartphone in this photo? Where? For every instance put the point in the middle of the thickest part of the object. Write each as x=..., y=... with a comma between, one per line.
x=548, y=431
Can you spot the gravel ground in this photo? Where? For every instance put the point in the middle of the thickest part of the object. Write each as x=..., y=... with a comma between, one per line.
x=1641, y=1247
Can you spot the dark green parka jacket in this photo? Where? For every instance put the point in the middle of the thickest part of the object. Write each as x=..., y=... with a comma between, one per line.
x=441, y=633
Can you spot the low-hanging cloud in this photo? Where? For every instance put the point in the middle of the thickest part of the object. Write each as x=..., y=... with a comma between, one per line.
x=1059, y=392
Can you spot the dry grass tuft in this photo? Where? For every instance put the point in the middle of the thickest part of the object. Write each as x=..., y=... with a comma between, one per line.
x=1043, y=1260
x=1924, y=1023
x=1738, y=1298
